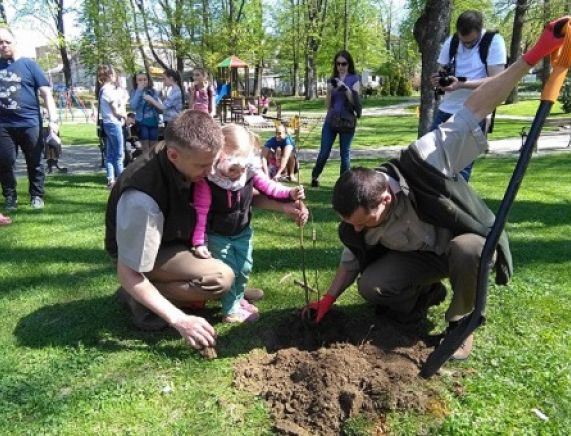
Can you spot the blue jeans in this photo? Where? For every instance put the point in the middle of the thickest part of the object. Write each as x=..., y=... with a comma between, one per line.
x=328, y=136
x=114, y=150
x=442, y=117
x=236, y=252
x=31, y=142
x=150, y=133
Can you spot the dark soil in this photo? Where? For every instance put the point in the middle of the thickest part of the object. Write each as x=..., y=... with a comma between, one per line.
x=315, y=377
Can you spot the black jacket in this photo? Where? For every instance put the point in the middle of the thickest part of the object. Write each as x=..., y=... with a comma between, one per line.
x=448, y=202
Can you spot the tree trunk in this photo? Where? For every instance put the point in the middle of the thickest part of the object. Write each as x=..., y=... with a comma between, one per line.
x=258, y=71
x=3, y=18
x=430, y=30
x=515, y=47
x=62, y=45
x=310, y=79
x=346, y=27
x=316, y=11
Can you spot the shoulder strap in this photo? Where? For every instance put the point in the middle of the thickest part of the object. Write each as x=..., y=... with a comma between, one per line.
x=485, y=47
x=453, y=49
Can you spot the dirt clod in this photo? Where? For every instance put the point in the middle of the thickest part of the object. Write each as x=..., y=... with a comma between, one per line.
x=316, y=377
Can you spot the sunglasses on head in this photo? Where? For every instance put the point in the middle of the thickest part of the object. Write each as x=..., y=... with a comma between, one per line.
x=342, y=64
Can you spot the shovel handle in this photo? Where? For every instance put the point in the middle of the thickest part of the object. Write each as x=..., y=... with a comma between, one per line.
x=561, y=61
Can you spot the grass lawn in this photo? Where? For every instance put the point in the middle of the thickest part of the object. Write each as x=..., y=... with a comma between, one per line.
x=78, y=133
x=300, y=104
x=71, y=363
x=529, y=108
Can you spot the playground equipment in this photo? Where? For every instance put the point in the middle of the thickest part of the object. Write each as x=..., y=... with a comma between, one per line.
x=67, y=100
x=561, y=61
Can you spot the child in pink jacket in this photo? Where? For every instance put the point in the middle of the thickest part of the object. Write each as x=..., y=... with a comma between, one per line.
x=223, y=206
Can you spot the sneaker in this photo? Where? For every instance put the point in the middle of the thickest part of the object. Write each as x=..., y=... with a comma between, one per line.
x=248, y=306
x=141, y=317
x=11, y=203
x=37, y=202
x=314, y=183
x=253, y=294
x=240, y=316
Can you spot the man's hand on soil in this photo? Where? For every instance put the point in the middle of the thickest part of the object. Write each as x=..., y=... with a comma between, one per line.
x=320, y=307
x=196, y=330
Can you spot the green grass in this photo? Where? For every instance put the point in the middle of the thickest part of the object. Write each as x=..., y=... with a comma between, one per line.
x=78, y=133
x=528, y=108
x=318, y=105
x=71, y=363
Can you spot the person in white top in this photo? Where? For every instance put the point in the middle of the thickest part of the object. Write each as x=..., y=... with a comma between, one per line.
x=466, y=70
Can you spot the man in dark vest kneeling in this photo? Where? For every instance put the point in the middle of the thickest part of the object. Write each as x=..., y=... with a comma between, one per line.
x=149, y=224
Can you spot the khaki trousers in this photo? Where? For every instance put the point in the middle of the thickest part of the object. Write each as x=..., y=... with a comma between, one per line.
x=398, y=278
x=184, y=278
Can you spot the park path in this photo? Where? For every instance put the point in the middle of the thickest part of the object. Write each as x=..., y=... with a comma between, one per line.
x=87, y=158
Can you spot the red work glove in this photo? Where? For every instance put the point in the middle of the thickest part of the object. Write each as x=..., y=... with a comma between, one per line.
x=549, y=41
x=321, y=307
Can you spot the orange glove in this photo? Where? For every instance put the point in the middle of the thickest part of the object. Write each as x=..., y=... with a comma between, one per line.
x=321, y=307
x=549, y=41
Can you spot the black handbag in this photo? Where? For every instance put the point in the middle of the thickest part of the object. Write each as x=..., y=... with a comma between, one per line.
x=343, y=122
x=100, y=130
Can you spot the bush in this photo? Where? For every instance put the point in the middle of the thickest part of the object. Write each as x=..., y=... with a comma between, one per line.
x=565, y=97
x=395, y=82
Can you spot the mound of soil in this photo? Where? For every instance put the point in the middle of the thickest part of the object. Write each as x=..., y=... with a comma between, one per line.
x=315, y=377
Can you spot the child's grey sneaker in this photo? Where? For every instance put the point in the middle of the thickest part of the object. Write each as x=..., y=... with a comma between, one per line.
x=37, y=202
x=11, y=203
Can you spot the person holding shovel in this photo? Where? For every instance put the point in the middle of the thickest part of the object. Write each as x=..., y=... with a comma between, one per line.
x=414, y=220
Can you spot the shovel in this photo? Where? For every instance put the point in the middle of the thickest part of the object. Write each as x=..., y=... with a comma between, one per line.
x=560, y=60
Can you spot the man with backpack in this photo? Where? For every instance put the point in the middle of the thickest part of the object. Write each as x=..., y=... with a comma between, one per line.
x=466, y=60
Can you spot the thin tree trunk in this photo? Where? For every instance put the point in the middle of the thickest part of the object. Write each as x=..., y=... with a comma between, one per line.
x=515, y=47
x=430, y=30
x=141, y=8
x=139, y=41
x=346, y=26
x=62, y=45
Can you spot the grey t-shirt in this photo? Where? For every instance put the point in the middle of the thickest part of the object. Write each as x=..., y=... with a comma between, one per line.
x=449, y=149
x=139, y=230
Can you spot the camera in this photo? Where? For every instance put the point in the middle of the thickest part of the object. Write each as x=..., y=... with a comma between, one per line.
x=334, y=82
x=445, y=78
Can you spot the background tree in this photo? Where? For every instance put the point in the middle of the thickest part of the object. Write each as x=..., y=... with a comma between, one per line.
x=3, y=19
x=430, y=30
x=51, y=14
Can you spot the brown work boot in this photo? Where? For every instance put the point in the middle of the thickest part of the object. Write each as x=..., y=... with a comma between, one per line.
x=463, y=352
x=141, y=317
x=253, y=294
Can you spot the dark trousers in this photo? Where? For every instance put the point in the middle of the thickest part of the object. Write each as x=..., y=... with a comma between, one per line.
x=441, y=117
x=399, y=278
x=31, y=143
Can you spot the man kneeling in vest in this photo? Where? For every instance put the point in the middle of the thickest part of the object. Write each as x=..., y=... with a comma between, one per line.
x=414, y=220
x=149, y=224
